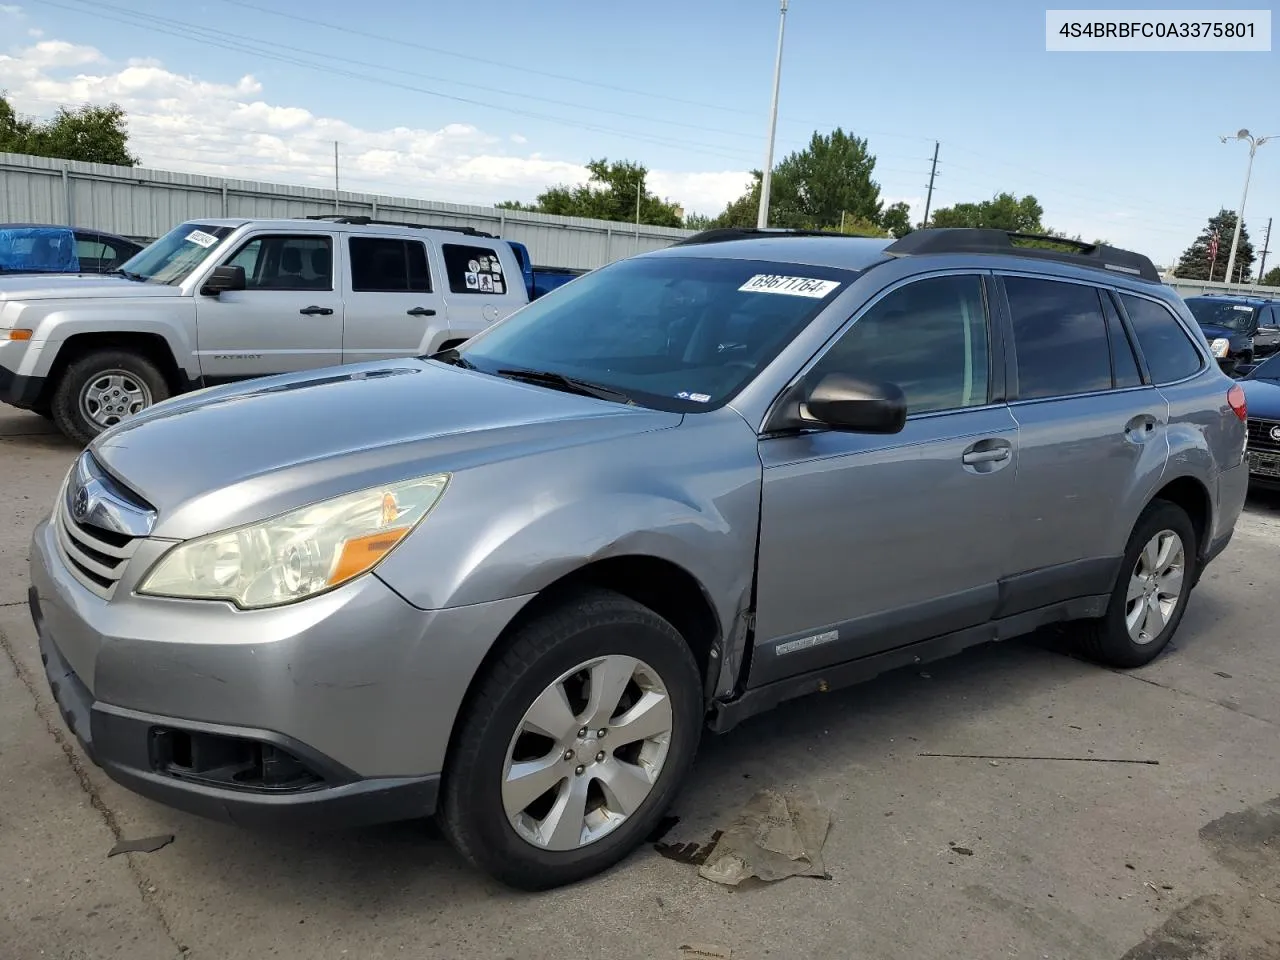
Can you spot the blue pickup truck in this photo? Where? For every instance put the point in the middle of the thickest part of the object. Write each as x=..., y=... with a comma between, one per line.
x=541, y=280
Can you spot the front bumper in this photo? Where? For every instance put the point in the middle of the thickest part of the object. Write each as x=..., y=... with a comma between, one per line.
x=356, y=689
x=18, y=390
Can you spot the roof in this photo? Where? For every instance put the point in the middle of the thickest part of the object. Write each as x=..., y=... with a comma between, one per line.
x=341, y=223
x=839, y=252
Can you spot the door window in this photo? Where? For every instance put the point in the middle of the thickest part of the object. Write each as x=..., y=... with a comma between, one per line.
x=386, y=265
x=929, y=338
x=1124, y=365
x=1060, y=336
x=1168, y=350
x=473, y=269
x=286, y=263
x=91, y=248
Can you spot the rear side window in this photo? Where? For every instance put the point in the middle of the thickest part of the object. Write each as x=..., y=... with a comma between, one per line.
x=473, y=269
x=1060, y=337
x=386, y=265
x=1169, y=352
x=1124, y=366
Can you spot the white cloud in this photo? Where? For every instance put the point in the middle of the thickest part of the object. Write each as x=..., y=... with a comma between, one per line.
x=182, y=122
x=35, y=32
x=10, y=9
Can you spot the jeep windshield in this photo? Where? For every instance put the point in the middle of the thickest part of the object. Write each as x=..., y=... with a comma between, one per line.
x=1222, y=313
x=681, y=334
x=171, y=259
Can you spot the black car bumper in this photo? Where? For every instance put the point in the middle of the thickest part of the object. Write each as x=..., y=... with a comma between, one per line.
x=184, y=764
x=20, y=391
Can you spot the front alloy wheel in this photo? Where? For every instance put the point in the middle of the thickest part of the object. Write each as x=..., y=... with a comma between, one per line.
x=587, y=753
x=573, y=742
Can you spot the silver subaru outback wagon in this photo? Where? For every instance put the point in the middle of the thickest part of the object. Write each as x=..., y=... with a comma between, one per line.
x=512, y=583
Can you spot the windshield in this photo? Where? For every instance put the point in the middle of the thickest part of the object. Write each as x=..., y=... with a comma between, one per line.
x=172, y=258
x=673, y=333
x=1222, y=313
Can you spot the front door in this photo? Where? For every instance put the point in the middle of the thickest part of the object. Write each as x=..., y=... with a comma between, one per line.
x=288, y=319
x=394, y=305
x=869, y=542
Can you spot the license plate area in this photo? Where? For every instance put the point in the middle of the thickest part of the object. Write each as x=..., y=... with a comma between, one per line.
x=1264, y=464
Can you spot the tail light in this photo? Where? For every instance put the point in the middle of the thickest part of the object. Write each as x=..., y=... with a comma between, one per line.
x=1236, y=400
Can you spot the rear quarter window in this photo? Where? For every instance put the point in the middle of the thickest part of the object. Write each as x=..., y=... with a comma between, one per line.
x=473, y=269
x=1167, y=348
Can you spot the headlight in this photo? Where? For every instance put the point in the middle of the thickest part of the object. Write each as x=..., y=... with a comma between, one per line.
x=1220, y=347
x=298, y=554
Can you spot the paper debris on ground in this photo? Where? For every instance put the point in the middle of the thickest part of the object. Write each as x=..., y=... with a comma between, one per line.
x=703, y=951
x=144, y=845
x=774, y=837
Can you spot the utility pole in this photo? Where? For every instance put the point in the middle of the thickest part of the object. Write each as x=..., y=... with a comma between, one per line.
x=1254, y=144
x=1262, y=269
x=928, y=200
x=639, y=193
x=762, y=218
x=335, y=176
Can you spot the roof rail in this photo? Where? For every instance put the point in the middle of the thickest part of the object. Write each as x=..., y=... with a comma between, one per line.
x=721, y=234
x=370, y=221
x=982, y=240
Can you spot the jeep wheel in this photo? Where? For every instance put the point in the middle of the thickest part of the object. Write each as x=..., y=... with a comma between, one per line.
x=1151, y=592
x=574, y=743
x=102, y=388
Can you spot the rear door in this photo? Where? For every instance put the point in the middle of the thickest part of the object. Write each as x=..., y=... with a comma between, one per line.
x=1092, y=436
x=1267, y=339
x=485, y=285
x=288, y=319
x=393, y=306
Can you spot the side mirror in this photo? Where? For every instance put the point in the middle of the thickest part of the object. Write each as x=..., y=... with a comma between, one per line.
x=223, y=279
x=846, y=403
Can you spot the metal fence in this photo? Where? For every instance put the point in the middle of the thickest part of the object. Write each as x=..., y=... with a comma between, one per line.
x=1191, y=288
x=144, y=204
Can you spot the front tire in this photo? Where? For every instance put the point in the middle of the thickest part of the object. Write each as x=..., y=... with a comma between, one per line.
x=102, y=388
x=1151, y=592
x=574, y=743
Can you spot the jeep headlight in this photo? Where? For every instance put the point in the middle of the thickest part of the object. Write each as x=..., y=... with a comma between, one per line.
x=1220, y=347
x=297, y=554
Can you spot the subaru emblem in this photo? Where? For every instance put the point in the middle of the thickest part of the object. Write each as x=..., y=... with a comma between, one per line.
x=80, y=506
x=1275, y=433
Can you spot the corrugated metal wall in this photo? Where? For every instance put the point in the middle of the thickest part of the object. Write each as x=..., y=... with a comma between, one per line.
x=144, y=204
x=1191, y=288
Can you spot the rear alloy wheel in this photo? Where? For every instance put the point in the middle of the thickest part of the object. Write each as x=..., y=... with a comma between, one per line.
x=1151, y=593
x=573, y=743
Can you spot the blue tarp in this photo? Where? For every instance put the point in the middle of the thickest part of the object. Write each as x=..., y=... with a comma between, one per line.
x=38, y=250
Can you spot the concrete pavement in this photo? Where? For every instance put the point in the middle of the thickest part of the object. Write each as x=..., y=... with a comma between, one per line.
x=929, y=856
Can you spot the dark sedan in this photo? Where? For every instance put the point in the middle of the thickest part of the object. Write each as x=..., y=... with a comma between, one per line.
x=1239, y=329
x=40, y=248
x=1262, y=393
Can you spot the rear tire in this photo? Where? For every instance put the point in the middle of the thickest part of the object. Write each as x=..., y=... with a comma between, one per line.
x=598, y=644
x=1151, y=592
x=102, y=388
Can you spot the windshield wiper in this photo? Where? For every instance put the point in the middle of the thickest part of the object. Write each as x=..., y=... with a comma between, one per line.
x=559, y=381
x=453, y=358
x=128, y=275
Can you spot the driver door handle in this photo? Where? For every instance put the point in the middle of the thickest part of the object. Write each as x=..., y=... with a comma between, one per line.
x=313, y=311
x=421, y=312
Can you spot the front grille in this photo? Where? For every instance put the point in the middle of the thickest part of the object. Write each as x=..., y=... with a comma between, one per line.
x=95, y=557
x=1260, y=435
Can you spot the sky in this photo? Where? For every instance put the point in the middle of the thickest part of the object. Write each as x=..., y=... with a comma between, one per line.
x=481, y=102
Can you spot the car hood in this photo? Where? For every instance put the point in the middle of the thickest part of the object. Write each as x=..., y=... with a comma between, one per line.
x=231, y=455
x=1262, y=398
x=72, y=286
x=1212, y=331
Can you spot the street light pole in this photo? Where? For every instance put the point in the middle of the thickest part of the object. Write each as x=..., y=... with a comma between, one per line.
x=762, y=218
x=1254, y=144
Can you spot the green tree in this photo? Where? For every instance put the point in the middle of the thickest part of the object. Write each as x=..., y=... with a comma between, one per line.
x=896, y=219
x=829, y=181
x=610, y=193
x=89, y=133
x=1197, y=261
x=698, y=221
x=1004, y=211
x=1271, y=278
